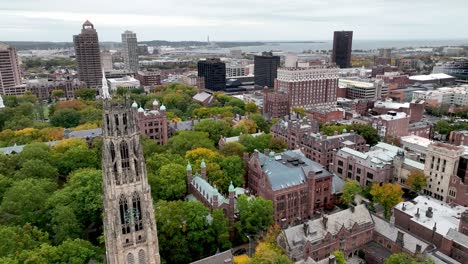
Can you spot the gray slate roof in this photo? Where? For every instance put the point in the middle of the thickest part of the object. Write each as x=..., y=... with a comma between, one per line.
x=220, y=258
x=283, y=174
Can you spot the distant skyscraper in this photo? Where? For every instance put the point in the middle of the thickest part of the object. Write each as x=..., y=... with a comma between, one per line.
x=266, y=69
x=130, y=50
x=106, y=59
x=342, y=46
x=88, y=57
x=213, y=71
x=9, y=71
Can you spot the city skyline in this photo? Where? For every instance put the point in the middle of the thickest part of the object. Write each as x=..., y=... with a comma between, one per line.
x=27, y=20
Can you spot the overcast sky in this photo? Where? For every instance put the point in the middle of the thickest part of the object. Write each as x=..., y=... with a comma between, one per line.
x=59, y=20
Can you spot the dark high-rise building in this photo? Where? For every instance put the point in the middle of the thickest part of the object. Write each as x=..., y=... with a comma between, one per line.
x=10, y=77
x=342, y=46
x=88, y=56
x=266, y=69
x=213, y=71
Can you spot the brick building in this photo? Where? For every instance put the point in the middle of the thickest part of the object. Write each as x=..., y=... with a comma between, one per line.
x=308, y=87
x=153, y=123
x=325, y=114
x=296, y=185
x=394, y=80
x=292, y=130
x=392, y=124
x=148, y=78
x=42, y=88
x=10, y=76
x=414, y=109
x=88, y=56
x=459, y=138
x=348, y=230
x=434, y=221
x=276, y=104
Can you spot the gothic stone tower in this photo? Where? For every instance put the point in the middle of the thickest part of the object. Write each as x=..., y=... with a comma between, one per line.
x=129, y=223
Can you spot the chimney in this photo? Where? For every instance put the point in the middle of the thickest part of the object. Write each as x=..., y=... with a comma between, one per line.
x=305, y=227
x=335, y=133
x=403, y=207
x=418, y=248
x=434, y=229
x=266, y=151
x=429, y=212
x=331, y=259
x=325, y=221
x=417, y=213
x=352, y=208
x=66, y=133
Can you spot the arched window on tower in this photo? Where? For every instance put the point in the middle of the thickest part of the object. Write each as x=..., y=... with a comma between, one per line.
x=141, y=257
x=108, y=124
x=130, y=259
x=124, y=155
x=117, y=124
x=137, y=170
x=125, y=123
x=112, y=151
x=123, y=208
x=136, y=203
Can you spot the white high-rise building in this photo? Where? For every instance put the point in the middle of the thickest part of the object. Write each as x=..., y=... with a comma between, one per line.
x=290, y=60
x=106, y=60
x=130, y=50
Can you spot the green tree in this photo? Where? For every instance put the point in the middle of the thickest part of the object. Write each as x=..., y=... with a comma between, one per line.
x=443, y=127
x=350, y=189
x=16, y=239
x=367, y=132
x=300, y=111
x=339, y=256
x=416, y=180
x=188, y=140
x=58, y=93
x=169, y=183
x=156, y=161
x=187, y=233
x=262, y=124
x=251, y=107
x=233, y=170
x=86, y=94
x=388, y=195
x=277, y=144
x=220, y=230
x=5, y=184
x=76, y=158
x=90, y=115
x=255, y=143
x=66, y=117
x=83, y=194
x=214, y=128
x=65, y=225
x=255, y=215
x=37, y=151
x=403, y=258
x=38, y=169
x=232, y=148
x=25, y=201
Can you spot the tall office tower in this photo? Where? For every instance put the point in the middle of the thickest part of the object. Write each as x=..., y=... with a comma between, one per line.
x=266, y=69
x=130, y=50
x=308, y=87
x=385, y=53
x=88, y=56
x=342, y=46
x=290, y=60
x=9, y=70
x=106, y=59
x=129, y=222
x=213, y=71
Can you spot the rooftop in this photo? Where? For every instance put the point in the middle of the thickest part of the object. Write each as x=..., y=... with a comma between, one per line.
x=388, y=104
x=416, y=140
x=429, y=77
x=391, y=115
x=444, y=216
x=289, y=168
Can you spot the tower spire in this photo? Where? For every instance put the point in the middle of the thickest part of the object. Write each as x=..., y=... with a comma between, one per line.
x=105, y=87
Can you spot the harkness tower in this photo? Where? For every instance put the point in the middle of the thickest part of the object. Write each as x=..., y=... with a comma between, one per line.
x=129, y=222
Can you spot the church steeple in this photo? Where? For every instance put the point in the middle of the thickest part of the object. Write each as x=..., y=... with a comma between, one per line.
x=129, y=222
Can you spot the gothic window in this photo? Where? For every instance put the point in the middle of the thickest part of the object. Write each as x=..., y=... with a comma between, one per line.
x=117, y=125
x=141, y=257
x=136, y=204
x=130, y=259
x=125, y=121
x=108, y=124
x=137, y=170
x=124, y=155
x=116, y=175
x=123, y=206
x=112, y=151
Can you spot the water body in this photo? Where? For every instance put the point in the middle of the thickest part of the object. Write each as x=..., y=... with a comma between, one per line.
x=298, y=47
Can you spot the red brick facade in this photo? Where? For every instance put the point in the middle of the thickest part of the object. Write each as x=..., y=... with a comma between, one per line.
x=153, y=124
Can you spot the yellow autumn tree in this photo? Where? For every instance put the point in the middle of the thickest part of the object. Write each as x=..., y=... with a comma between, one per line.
x=86, y=126
x=249, y=125
x=388, y=195
x=67, y=144
x=51, y=133
x=242, y=259
x=197, y=155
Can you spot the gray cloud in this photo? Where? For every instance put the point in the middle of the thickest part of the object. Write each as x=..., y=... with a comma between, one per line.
x=235, y=20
